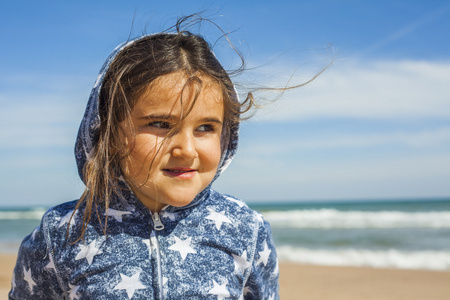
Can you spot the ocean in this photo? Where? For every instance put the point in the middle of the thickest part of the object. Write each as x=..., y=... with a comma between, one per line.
x=385, y=234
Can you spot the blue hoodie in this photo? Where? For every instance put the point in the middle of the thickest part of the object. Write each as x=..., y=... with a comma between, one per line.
x=214, y=248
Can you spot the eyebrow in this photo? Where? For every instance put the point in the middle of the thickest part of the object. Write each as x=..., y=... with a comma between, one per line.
x=159, y=117
x=172, y=117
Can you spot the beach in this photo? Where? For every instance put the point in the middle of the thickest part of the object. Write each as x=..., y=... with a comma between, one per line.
x=363, y=251
x=309, y=282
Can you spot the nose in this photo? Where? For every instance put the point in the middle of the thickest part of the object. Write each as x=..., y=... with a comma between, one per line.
x=183, y=145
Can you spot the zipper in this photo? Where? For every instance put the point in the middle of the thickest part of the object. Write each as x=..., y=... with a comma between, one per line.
x=158, y=226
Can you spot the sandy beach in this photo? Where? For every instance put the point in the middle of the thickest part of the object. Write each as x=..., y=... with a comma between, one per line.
x=306, y=282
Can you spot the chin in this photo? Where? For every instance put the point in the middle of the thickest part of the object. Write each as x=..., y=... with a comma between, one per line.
x=180, y=202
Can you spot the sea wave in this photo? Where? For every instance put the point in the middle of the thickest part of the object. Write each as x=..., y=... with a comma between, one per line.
x=35, y=214
x=331, y=218
x=423, y=260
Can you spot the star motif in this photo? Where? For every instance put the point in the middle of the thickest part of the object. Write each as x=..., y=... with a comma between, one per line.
x=13, y=281
x=165, y=279
x=130, y=284
x=276, y=271
x=240, y=262
x=27, y=277
x=220, y=291
x=33, y=235
x=147, y=243
x=169, y=215
x=73, y=291
x=51, y=264
x=88, y=252
x=272, y=297
x=259, y=217
x=116, y=214
x=217, y=217
x=238, y=202
x=68, y=218
x=264, y=255
x=183, y=247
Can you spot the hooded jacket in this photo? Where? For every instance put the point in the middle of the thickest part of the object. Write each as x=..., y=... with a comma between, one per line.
x=214, y=248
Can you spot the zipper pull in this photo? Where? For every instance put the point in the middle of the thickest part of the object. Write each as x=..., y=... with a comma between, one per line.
x=157, y=222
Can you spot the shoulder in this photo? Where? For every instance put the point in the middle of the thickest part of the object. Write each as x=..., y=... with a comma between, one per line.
x=61, y=209
x=245, y=215
x=244, y=218
x=57, y=216
x=55, y=223
x=36, y=262
x=234, y=206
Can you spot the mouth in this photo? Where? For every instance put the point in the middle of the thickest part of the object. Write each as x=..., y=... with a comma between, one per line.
x=185, y=173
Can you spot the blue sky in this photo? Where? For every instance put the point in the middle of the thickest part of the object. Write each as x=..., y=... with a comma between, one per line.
x=375, y=125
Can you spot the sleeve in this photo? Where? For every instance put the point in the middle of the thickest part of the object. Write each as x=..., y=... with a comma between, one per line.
x=262, y=282
x=34, y=275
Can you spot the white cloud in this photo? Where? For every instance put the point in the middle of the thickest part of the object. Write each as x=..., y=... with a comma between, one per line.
x=384, y=177
x=380, y=90
x=433, y=138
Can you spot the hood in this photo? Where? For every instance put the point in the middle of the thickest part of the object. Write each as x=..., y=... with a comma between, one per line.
x=90, y=124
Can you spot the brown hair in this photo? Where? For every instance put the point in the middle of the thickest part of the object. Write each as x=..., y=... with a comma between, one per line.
x=128, y=76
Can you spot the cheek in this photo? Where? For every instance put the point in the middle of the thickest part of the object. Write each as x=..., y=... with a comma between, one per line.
x=144, y=152
x=213, y=154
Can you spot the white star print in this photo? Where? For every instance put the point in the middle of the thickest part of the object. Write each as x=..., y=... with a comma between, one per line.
x=147, y=242
x=169, y=215
x=67, y=218
x=73, y=291
x=240, y=262
x=88, y=252
x=238, y=202
x=218, y=217
x=272, y=297
x=259, y=217
x=27, y=277
x=277, y=269
x=165, y=279
x=264, y=255
x=116, y=214
x=130, y=284
x=33, y=235
x=183, y=247
x=220, y=291
x=13, y=281
x=51, y=264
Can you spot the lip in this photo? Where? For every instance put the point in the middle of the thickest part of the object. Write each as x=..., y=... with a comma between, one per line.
x=182, y=173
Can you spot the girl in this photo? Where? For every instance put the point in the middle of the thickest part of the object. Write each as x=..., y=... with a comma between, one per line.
x=160, y=126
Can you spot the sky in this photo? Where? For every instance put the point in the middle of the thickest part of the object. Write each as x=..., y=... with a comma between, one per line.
x=374, y=125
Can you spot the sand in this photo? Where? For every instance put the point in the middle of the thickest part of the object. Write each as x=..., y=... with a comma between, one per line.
x=305, y=282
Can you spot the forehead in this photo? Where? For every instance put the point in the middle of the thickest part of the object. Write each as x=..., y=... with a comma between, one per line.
x=176, y=92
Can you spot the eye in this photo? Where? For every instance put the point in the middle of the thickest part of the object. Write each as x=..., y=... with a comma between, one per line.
x=206, y=128
x=160, y=124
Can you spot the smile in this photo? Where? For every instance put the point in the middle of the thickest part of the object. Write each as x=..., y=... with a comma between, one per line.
x=180, y=173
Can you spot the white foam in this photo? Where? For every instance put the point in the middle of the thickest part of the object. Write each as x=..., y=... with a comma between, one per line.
x=17, y=215
x=331, y=218
x=425, y=260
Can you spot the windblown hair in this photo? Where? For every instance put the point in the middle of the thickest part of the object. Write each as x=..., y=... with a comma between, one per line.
x=128, y=77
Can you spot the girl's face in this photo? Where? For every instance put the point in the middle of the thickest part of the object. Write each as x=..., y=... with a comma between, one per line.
x=171, y=170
